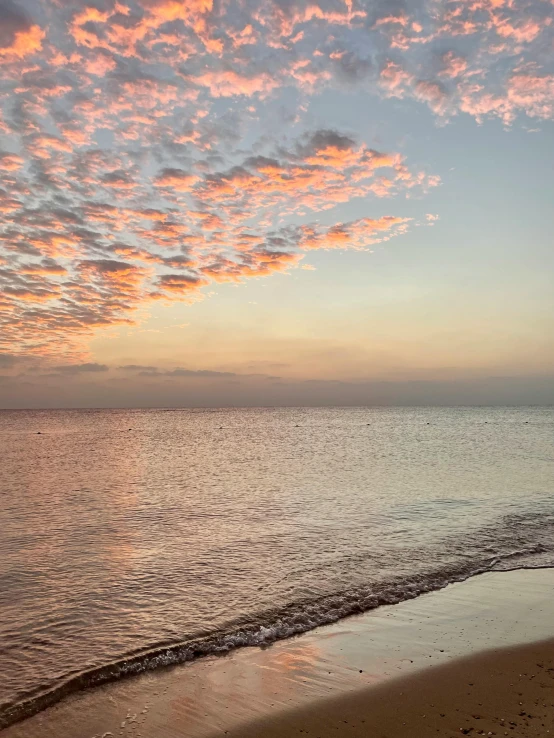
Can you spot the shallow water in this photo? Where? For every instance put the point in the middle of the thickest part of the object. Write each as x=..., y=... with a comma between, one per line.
x=131, y=539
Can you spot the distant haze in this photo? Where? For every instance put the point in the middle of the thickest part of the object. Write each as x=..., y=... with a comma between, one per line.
x=124, y=388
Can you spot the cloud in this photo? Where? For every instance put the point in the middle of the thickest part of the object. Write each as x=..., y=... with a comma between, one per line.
x=200, y=373
x=138, y=164
x=80, y=263
x=19, y=36
x=137, y=368
x=357, y=234
x=452, y=65
x=10, y=162
x=229, y=83
x=352, y=68
x=176, y=179
x=7, y=360
x=524, y=90
x=45, y=266
x=434, y=93
x=87, y=368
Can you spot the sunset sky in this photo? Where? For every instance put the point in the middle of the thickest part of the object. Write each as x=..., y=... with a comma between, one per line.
x=282, y=202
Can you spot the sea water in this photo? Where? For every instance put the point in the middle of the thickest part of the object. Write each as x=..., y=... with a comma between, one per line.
x=132, y=539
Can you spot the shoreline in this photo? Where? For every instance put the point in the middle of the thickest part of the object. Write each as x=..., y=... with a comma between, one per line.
x=366, y=651
x=222, y=643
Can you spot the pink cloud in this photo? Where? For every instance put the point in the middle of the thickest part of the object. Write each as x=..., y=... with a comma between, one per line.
x=453, y=65
x=434, y=94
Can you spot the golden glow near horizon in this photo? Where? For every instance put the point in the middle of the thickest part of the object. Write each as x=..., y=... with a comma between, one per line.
x=258, y=193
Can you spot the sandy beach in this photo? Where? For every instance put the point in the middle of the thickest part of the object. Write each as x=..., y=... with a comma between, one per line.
x=501, y=692
x=476, y=657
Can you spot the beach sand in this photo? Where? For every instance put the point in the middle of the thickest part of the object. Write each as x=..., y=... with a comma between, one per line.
x=461, y=659
x=501, y=692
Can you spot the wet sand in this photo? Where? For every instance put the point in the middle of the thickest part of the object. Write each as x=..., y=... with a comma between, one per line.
x=500, y=692
x=397, y=668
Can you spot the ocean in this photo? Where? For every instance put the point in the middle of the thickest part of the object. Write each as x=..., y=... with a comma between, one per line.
x=134, y=539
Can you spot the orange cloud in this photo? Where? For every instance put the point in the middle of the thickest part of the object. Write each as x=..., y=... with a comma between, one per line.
x=181, y=284
x=99, y=65
x=176, y=179
x=170, y=10
x=10, y=162
x=78, y=27
x=357, y=234
x=25, y=43
x=43, y=145
x=255, y=263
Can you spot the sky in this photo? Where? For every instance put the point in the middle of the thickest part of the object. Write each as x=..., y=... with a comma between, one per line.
x=281, y=202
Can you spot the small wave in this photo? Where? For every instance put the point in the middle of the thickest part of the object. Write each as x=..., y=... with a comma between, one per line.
x=262, y=629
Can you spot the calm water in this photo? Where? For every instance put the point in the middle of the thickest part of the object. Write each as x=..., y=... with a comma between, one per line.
x=131, y=539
